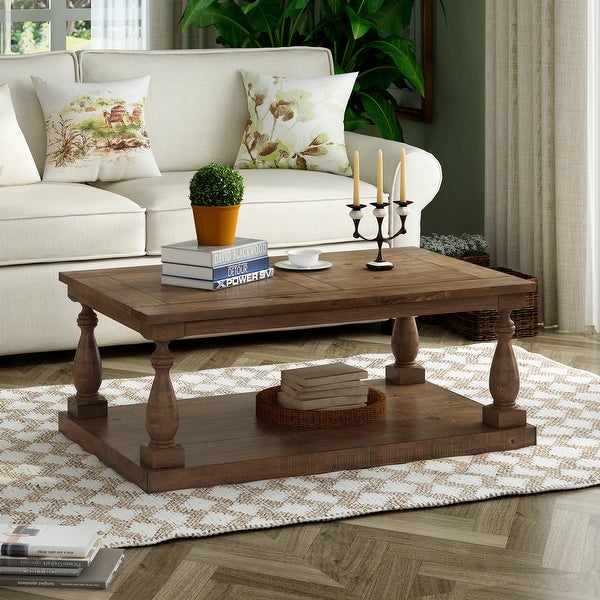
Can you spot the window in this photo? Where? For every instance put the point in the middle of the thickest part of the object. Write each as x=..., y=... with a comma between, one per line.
x=40, y=25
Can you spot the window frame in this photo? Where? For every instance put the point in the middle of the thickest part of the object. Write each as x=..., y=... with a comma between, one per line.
x=58, y=16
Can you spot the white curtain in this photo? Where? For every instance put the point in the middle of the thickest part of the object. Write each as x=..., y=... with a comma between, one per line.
x=593, y=271
x=120, y=24
x=536, y=149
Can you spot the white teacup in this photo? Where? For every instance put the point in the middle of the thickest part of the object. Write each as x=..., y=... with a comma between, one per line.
x=304, y=258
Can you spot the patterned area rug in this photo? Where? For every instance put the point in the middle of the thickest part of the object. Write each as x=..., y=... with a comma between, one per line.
x=44, y=476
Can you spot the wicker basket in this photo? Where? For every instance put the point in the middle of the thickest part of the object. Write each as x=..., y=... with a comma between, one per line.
x=481, y=259
x=480, y=325
x=268, y=409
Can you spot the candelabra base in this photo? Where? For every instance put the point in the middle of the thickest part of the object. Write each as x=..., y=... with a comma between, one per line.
x=380, y=265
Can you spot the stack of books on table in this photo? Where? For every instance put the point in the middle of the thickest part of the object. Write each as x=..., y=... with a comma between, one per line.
x=187, y=264
x=333, y=386
x=55, y=556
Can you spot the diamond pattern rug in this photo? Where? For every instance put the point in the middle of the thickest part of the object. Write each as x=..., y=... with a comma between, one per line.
x=46, y=477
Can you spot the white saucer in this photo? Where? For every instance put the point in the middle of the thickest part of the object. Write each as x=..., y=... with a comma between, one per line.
x=318, y=266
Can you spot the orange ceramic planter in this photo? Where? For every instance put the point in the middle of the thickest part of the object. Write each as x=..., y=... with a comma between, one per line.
x=215, y=225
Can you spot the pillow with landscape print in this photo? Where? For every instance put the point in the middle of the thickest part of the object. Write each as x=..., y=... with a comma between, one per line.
x=17, y=166
x=95, y=131
x=296, y=122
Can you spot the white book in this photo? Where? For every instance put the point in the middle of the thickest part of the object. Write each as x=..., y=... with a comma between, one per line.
x=46, y=540
x=53, y=562
x=190, y=253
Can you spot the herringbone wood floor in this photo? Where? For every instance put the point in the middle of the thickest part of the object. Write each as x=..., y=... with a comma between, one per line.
x=545, y=546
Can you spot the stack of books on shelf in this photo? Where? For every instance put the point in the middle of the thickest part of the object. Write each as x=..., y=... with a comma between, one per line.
x=187, y=264
x=335, y=386
x=55, y=556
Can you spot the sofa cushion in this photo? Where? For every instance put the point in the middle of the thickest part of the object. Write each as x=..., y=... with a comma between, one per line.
x=95, y=131
x=285, y=207
x=295, y=122
x=49, y=222
x=16, y=163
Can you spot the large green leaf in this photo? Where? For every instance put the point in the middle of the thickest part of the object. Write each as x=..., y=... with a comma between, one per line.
x=380, y=77
x=367, y=7
x=360, y=26
x=383, y=114
x=354, y=122
x=394, y=16
x=198, y=14
x=294, y=7
x=264, y=19
x=401, y=51
x=226, y=16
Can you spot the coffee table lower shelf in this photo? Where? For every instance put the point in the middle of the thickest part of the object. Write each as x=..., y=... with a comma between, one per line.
x=225, y=443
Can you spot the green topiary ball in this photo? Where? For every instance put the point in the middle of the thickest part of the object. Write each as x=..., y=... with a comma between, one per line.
x=216, y=185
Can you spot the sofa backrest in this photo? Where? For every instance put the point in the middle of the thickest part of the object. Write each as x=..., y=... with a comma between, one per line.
x=16, y=71
x=196, y=108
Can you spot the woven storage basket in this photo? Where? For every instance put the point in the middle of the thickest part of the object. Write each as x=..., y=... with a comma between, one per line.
x=480, y=325
x=268, y=409
x=481, y=259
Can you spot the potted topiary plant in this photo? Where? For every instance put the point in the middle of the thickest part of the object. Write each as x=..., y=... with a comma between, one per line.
x=216, y=192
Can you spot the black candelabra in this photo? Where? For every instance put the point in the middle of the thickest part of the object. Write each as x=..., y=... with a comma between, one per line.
x=380, y=212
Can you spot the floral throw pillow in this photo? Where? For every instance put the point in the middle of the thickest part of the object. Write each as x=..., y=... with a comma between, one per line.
x=17, y=166
x=296, y=123
x=95, y=131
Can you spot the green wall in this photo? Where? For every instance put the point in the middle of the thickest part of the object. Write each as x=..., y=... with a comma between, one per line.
x=456, y=134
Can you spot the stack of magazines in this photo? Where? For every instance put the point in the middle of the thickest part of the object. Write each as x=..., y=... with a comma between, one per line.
x=55, y=556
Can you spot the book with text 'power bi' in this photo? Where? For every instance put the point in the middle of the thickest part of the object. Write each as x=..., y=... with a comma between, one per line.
x=220, y=284
x=190, y=253
x=216, y=273
x=47, y=540
x=97, y=576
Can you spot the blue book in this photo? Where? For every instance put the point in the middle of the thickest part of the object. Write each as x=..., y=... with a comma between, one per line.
x=219, y=284
x=215, y=273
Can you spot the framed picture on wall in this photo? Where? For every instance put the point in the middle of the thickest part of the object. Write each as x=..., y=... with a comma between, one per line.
x=411, y=104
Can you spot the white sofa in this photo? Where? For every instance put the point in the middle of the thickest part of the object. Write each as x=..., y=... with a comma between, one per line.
x=195, y=113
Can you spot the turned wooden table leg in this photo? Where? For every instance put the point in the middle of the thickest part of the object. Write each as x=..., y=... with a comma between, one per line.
x=504, y=379
x=87, y=403
x=162, y=416
x=405, y=347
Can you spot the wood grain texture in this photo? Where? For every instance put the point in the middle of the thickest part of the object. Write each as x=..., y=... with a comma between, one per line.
x=537, y=547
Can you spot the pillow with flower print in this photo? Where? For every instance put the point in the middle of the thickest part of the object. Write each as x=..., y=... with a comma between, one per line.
x=295, y=122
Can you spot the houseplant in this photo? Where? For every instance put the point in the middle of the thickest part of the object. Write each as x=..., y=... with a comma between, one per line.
x=363, y=36
x=216, y=192
x=472, y=247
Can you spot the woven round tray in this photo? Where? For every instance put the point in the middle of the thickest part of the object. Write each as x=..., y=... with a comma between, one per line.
x=268, y=409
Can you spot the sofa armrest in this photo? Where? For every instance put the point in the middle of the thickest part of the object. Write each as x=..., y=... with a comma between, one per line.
x=423, y=177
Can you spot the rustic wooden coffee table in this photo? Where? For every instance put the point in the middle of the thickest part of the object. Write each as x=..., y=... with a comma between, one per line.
x=169, y=444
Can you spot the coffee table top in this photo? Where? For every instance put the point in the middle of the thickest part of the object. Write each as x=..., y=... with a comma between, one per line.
x=421, y=283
